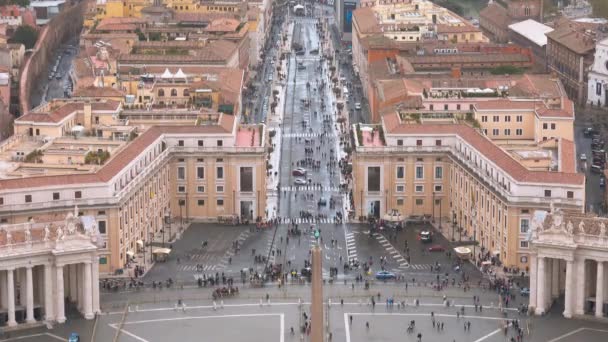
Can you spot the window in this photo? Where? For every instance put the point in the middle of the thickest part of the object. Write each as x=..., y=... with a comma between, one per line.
x=181, y=173
x=200, y=188
x=523, y=244
x=200, y=202
x=508, y=118
x=161, y=92
x=507, y=131
x=458, y=107
x=180, y=143
x=181, y=189
x=219, y=172
x=173, y=92
x=419, y=201
x=419, y=188
x=445, y=107
x=438, y=172
x=373, y=178
x=437, y=142
x=545, y=126
x=419, y=172
x=220, y=202
x=519, y=131
x=399, y=142
x=570, y=194
x=400, y=188
x=200, y=172
x=552, y=126
x=547, y=193
x=77, y=194
x=519, y=118
x=201, y=143
x=524, y=225
x=181, y=202
x=400, y=201
x=246, y=179
x=495, y=118
x=220, y=143
x=101, y=225
x=400, y=172
x=431, y=107
x=418, y=142
x=438, y=188
x=484, y=118
x=219, y=188
x=495, y=131
x=28, y=198
x=55, y=196
x=1, y=200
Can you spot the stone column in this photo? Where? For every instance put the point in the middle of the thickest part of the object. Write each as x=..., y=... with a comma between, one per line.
x=533, y=279
x=22, y=282
x=3, y=292
x=569, y=289
x=579, y=307
x=555, y=278
x=95, y=284
x=60, y=296
x=599, y=290
x=73, y=283
x=10, y=285
x=541, y=300
x=87, y=291
x=49, y=311
x=79, y=285
x=29, y=295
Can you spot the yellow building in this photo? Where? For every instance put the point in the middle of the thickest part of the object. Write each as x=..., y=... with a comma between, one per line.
x=463, y=181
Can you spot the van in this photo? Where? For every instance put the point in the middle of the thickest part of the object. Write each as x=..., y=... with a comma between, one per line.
x=596, y=168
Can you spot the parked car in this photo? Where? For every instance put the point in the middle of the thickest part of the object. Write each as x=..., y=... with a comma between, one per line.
x=583, y=157
x=299, y=172
x=74, y=337
x=426, y=236
x=322, y=202
x=602, y=182
x=383, y=275
x=300, y=181
x=436, y=248
x=358, y=105
x=589, y=131
x=597, y=168
x=524, y=291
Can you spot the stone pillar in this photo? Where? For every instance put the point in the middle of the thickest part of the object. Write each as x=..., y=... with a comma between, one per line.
x=79, y=286
x=95, y=284
x=541, y=300
x=29, y=295
x=579, y=307
x=3, y=292
x=555, y=278
x=569, y=289
x=316, y=307
x=599, y=290
x=49, y=312
x=87, y=291
x=10, y=285
x=73, y=288
x=22, y=282
x=533, y=279
x=60, y=296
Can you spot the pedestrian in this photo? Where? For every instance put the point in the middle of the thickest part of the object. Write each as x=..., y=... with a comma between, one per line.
x=469, y=325
x=441, y=326
x=351, y=319
x=367, y=325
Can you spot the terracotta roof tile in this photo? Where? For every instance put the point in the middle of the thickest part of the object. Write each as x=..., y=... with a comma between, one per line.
x=567, y=156
x=485, y=146
x=366, y=20
x=496, y=14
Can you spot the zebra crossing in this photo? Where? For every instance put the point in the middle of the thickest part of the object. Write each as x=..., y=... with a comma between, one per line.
x=351, y=247
x=192, y=268
x=299, y=220
x=403, y=264
x=310, y=188
x=301, y=135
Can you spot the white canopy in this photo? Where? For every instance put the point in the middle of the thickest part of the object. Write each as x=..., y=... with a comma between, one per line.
x=130, y=253
x=167, y=74
x=140, y=243
x=162, y=251
x=179, y=74
x=393, y=216
x=297, y=7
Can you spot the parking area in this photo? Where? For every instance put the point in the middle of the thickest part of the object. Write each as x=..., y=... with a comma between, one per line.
x=591, y=151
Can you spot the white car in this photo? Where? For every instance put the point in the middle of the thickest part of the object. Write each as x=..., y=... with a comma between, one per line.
x=583, y=157
x=300, y=181
x=358, y=105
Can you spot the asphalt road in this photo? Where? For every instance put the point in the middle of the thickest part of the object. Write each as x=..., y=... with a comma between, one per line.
x=593, y=192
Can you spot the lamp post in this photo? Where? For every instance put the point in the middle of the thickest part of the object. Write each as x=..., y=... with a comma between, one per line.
x=433, y=217
x=151, y=237
x=453, y=225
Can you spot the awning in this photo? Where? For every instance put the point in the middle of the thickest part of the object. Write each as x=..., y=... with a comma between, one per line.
x=393, y=216
x=130, y=253
x=162, y=251
x=462, y=251
x=140, y=243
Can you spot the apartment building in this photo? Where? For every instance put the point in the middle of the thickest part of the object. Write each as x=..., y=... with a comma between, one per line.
x=62, y=158
x=496, y=17
x=443, y=167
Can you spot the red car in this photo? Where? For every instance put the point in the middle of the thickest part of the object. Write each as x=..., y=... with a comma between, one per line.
x=436, y=248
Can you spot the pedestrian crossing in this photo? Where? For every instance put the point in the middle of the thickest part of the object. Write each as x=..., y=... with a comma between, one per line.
x=192, y=268
x=299, y=220
x=310, y=188
x=397, y=257
x=301, y=135
x=351, y=247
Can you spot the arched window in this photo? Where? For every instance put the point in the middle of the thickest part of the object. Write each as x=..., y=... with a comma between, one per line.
x=161, y=92
x=173, y=92
x=186, y=92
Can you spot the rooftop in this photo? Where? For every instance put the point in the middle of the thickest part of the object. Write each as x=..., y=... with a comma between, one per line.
x=532, y=30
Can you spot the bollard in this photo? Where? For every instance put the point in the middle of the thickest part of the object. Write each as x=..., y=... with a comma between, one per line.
x=299, y=302
x=222, y=304
x=329, y=302
x=214, y=305
x=261, y=303
x=175, y=307
x=268, y=302
x=136, y=308
x=184, y=307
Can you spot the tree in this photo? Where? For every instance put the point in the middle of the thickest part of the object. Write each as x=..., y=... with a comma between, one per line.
x=25, y=35
x=21, y=3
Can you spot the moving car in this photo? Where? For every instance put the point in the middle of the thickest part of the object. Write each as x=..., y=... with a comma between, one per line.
x=583, y=157
x=358, y=105
x=589, y=131
x=383, y=275
x=602, y=182
x=74, y=337
x=426, y=236
x=436, y=248
x=299, y=172
x=300, y=181
x=524, y=291
x=322, y=202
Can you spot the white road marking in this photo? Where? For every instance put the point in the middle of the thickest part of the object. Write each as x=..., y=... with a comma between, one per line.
x=35, y=335
x=576, y=332
x=346, y=327
x=488, y=335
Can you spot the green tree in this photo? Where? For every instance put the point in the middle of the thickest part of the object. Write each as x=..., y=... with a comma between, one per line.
x=25, y=35
x=21, y=3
